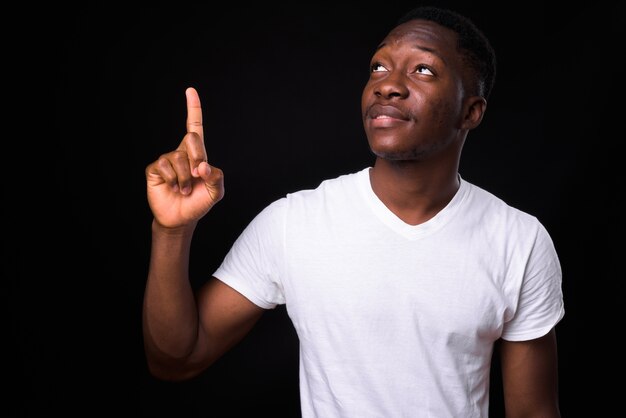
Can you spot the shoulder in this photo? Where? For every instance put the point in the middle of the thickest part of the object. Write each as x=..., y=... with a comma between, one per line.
x=332, y=191
x=487, y=203
x=336, y=187
x=496, y=217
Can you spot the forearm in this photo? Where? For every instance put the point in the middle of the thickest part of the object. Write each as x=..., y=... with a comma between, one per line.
x=170, y=317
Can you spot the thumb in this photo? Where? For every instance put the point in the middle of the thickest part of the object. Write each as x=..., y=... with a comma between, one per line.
x=204, y=171
x=213, y=179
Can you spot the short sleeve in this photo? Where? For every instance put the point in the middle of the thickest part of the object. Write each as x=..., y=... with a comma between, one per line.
x=540, y=300
x=253, y=263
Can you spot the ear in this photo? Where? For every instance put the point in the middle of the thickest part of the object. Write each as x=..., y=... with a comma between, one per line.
x=473, y=111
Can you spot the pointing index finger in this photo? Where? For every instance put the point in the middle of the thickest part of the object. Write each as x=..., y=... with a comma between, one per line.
x=194, y=112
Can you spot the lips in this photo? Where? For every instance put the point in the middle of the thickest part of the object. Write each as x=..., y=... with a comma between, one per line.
x=378, y=111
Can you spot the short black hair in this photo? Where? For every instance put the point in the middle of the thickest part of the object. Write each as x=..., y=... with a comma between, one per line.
x=472, y=42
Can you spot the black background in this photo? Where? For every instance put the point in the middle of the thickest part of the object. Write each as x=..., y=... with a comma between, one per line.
x=280, y=87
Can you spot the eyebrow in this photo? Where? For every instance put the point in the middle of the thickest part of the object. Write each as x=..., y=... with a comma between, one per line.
x=420, y=48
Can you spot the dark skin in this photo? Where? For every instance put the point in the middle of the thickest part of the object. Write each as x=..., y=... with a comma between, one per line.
x=417, y=111
x=418, y=106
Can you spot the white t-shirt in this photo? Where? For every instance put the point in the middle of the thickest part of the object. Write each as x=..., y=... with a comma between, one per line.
x=396, y=320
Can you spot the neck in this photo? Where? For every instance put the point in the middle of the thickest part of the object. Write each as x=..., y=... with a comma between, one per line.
x=415, y=191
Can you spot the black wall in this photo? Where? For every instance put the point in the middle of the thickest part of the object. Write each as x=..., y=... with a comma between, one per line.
x=280, y=87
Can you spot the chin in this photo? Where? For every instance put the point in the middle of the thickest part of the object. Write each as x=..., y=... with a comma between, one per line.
x=396, y=154
x=391, y=149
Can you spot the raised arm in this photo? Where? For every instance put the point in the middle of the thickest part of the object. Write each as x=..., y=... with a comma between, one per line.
x=529, y=373
x=184, y=333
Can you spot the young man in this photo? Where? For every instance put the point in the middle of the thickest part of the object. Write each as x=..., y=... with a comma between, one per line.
x=398, y=278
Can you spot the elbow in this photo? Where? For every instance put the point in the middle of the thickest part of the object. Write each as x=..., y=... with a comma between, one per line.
x=184, y=365
x=174, y=369
x=163, y=365
x=162, y=373
x=170, y=372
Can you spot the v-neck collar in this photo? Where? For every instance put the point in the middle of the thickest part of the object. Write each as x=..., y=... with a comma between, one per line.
x=390, y=219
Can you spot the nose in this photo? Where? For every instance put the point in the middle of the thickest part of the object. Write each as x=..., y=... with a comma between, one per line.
x=393, y=85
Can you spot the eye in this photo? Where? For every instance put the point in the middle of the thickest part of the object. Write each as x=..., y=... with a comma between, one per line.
x=422, y=69
x=377, y=68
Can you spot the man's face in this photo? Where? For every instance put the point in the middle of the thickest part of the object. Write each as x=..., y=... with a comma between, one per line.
x=412, y=105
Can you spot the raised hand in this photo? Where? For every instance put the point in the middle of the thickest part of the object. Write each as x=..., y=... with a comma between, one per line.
x=181, y=186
